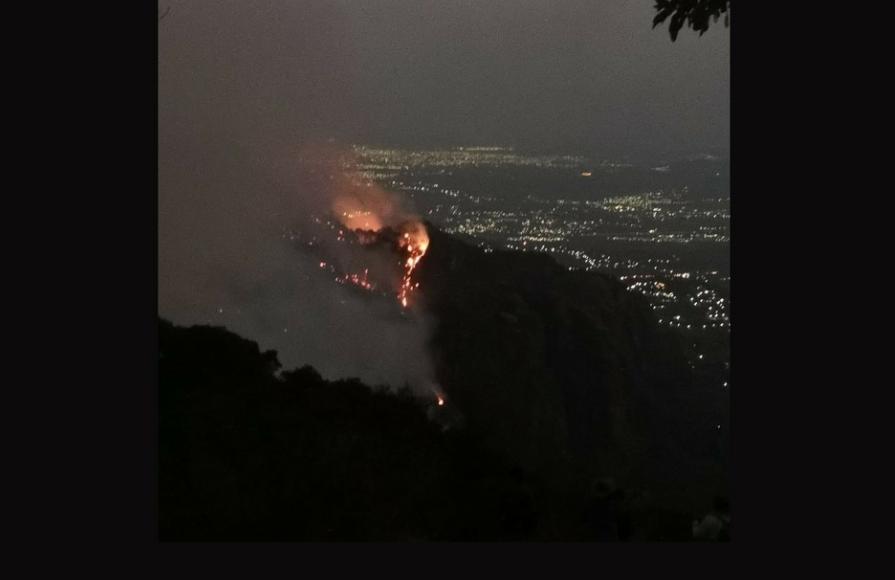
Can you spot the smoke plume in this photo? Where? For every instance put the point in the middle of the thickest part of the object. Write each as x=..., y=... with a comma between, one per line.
x=255, y=99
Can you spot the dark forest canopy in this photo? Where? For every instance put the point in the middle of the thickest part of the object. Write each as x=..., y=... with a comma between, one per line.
x=247, y=453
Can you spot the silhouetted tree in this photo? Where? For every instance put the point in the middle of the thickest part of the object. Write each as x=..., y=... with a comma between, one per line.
x=245, y=454
x=695, y=13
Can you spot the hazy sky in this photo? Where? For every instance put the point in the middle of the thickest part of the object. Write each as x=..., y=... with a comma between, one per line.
x=588, y=75
x=559, y=73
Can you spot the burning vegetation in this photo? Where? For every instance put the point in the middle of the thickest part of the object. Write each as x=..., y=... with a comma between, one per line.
x=414, y=243
x=366, y=239
x=375, y=215
x=409, y=240
x=365, y=216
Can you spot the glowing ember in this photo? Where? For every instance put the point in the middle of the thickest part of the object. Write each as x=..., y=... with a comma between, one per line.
x=414, y=243
x=440, y=401
x=357, y=280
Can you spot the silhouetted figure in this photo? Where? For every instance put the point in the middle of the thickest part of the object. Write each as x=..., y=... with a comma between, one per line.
x=715, y=526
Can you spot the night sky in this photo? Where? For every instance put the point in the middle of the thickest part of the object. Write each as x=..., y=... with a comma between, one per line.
x=579, y=75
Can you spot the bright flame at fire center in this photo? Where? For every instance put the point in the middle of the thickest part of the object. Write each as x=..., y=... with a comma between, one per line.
x=415, y=244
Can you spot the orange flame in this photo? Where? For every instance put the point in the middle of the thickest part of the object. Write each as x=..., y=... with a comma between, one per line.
x=415, y=243
x=366, y=207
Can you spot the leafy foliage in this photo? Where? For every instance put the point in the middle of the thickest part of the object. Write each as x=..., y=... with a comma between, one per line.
x=695, y=13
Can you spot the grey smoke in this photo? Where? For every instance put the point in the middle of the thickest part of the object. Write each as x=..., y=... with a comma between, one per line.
x=244, y=89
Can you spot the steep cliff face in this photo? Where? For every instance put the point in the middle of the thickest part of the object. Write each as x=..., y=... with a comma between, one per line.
x=564, y=371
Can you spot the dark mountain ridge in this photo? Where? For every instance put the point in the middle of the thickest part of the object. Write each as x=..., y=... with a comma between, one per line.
x=564, y=371
x=558, y=377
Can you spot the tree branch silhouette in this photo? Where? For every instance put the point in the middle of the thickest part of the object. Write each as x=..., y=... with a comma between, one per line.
x=695, y=13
